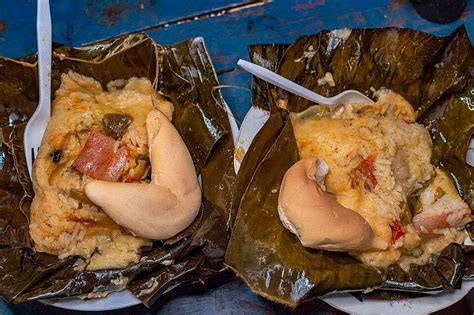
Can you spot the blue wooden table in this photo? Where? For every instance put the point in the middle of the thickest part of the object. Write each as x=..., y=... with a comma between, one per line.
x=227, y=26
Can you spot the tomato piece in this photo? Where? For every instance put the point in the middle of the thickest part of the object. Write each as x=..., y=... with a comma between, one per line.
x=365, y=172
x=397, y=231
x=129, y=179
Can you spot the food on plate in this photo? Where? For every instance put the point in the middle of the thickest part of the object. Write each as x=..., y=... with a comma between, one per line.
x=433, y=74
x=194, y=255
x=94, y=196
x=365, y=184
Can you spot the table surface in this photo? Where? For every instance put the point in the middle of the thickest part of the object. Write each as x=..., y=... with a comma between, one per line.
x=227, y=26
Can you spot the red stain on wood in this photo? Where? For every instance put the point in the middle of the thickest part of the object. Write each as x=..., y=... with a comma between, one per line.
x=217, y=58
x=433, y=29
x=399, y=21
x=307, y=5
x=112, y=13
x=356, y=17
x=304, y=6
x=359, y=18
x=257, y=12
x=467, y=13
x=3, y=26
x=89, y=11
x=397, y=4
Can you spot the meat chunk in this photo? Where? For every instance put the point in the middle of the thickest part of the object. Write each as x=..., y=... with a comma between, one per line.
x=441, y=207
x=428, y=224
x=102, y=158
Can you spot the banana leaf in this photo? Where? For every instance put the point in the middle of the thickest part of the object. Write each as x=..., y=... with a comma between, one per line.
x=184, y=74
x=432, y=73
x=267, y=56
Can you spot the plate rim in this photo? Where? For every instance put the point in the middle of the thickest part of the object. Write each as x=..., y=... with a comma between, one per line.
x=251, y=113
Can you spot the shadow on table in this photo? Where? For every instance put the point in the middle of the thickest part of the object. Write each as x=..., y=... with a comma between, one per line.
x=231, y=298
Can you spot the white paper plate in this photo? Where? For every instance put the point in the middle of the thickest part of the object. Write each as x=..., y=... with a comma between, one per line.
x=252, y=123
x=122, y=299
x=113, y=301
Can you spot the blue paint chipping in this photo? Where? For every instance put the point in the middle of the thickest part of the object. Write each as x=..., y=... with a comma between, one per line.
x=79, y=22
x=227, y=37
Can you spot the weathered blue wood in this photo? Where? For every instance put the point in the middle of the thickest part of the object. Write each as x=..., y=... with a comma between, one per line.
x=282, y=21
x=78, y=22
x=17, y=28
x=227, y=36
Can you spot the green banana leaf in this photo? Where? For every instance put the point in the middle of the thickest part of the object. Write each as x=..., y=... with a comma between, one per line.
x=433, y=73
x=184, y=74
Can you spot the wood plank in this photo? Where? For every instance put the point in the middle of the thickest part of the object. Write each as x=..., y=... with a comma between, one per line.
x=227, y=37
x=79, y=22
x=282, y=21
x=17, y=28
x=104, y=19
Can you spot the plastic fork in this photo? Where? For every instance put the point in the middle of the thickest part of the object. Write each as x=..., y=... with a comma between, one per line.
x=346, y=97
x=37, y=124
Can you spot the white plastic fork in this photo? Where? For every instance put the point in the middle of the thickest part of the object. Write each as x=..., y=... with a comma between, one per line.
x=346, y=97
x=37, y=124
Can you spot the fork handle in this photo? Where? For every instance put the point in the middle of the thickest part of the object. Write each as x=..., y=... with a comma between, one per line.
x=283, y=83
x=43, y=35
